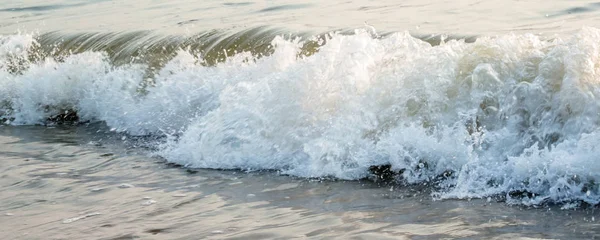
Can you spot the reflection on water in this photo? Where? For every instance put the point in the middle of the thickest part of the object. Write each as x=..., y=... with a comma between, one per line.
x=77, y=182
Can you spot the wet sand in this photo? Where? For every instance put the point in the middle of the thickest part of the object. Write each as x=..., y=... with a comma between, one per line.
x=74, y=183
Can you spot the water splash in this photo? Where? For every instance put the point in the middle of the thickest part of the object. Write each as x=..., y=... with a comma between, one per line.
x=508, y=115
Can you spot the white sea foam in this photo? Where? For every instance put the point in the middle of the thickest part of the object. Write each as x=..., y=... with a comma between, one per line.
x=506, y=114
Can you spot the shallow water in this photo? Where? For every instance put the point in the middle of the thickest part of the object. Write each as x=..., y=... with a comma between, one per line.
x=467, y=103
x=72, y=182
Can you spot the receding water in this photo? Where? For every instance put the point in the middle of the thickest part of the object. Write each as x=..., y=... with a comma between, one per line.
x=280, y=119
x=84, y=182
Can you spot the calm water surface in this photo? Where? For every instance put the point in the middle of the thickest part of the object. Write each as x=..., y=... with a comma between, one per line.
x=180, y=17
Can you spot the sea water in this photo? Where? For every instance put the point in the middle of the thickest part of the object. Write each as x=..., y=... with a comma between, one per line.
x=466, y=100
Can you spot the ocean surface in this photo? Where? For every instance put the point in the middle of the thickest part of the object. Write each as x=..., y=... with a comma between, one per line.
x=299, y=119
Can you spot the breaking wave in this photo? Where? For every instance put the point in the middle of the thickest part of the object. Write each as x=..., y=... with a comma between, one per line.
x=497, y=116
